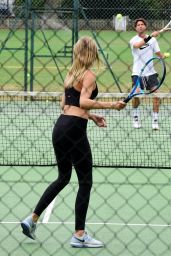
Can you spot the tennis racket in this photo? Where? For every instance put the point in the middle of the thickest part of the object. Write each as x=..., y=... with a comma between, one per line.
x=155, y=66
x=166, y=28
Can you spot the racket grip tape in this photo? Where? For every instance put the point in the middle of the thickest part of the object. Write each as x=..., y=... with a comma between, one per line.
x=126, y=100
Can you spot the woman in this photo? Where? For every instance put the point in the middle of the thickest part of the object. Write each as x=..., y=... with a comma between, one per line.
x=70, y=141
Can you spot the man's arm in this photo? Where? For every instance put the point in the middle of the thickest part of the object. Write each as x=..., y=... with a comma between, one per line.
x=160, y=55
x=145, y=39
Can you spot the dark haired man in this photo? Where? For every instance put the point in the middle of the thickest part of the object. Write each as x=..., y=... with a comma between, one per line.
x=143, y=48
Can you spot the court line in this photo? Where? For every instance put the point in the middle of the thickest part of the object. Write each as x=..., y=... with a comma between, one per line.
x=97, y=223
x=161, y=135
x=36, y=67
x=48, y=212
x=50, y=67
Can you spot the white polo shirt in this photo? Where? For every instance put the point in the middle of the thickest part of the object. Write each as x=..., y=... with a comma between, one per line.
x=143, y=54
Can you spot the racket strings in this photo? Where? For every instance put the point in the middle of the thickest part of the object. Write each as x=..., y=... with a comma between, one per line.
x=152, y=75
x=150, y=79
x=168, y=26
x=159, y=70
x=144, y=81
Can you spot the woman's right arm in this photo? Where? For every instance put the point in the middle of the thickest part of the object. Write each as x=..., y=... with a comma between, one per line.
x=87, y=103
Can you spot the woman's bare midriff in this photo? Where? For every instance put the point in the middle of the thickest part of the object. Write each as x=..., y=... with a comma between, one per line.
x=75, y=111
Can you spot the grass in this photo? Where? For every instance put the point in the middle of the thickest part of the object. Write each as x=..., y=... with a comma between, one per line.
x=49, y=72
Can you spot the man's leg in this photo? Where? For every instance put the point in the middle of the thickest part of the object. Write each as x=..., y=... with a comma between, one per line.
x=136, y=113
x=155, y=114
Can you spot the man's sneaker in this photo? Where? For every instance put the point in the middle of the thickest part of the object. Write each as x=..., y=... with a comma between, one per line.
x=85, y=241
x=136, y=122
x=29, y=227
x=155, y=125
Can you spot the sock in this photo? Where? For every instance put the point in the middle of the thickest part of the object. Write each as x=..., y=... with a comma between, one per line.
x=136, y=112
x=80, y=237
x=35, y=218
x=155, y=116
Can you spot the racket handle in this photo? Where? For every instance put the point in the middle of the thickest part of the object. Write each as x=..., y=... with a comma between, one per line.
x=126, y=100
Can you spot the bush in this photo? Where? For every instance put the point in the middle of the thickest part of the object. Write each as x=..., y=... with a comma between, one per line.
x=33, y=3
x=20, y=4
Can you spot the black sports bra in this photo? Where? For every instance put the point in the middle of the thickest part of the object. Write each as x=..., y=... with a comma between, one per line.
x=72, y=96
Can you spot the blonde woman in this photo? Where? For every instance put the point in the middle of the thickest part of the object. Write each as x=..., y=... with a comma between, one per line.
x=70, y=140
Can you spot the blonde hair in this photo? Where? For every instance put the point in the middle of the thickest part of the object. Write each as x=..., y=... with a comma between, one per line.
x=85, y=54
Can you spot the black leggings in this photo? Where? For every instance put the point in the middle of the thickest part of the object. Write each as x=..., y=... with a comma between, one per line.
x=71, y=147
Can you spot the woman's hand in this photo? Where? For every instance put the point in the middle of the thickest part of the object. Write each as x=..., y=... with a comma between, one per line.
x=118, y=105
x=98, y=120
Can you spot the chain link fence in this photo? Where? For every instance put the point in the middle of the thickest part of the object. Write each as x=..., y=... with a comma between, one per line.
x=130, y=200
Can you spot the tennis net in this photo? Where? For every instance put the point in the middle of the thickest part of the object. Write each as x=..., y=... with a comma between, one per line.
x=27, y=120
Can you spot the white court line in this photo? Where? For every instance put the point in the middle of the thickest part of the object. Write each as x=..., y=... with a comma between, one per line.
x=36, y=67
x=50, y=67
x=48, y=211
x=97, y=223
x=161, y=135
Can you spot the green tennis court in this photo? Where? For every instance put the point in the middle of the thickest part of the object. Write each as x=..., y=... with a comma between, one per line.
x=28, y=120
x=130, y=200
x=129, y=210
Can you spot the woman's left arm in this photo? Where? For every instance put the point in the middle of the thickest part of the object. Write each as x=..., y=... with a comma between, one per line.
x=62, y=103
x=98, y=120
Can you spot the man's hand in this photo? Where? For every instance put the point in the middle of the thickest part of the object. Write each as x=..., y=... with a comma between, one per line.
x=155, y=33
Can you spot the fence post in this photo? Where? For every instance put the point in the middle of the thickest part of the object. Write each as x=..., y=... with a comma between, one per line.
x=75, y=21
x=26, y=18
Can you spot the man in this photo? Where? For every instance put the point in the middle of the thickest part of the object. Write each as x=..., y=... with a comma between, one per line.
x=143, y=47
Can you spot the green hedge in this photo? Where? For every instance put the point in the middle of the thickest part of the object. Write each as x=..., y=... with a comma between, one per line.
x=20, y=4
x=33, y=3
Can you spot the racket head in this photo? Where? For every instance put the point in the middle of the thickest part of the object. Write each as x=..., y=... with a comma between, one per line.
x=166, y=28
x=136, y=90
x=150, y=79
x=153, y=74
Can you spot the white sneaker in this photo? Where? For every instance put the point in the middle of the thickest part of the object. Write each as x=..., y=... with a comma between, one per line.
x=155, y=125
x=136, y=123
x=29, y=227
x=85, y=241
